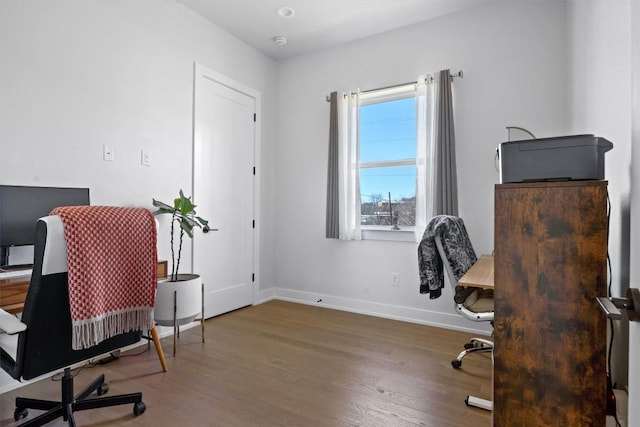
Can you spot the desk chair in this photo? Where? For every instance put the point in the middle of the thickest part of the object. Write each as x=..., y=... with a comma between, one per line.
x=42, y=341
x=456, y=254
x=474, y=304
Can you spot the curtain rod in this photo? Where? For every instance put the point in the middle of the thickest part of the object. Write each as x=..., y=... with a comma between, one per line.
x=429, y=77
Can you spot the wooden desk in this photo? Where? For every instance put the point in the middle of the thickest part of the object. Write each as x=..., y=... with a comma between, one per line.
x=480, y=275
x=13, y=292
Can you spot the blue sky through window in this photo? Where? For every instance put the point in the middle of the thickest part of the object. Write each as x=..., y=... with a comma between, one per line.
x=388, y=132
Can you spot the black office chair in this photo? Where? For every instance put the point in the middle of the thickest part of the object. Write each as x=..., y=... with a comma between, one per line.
x=46, y=343
x=454, y=254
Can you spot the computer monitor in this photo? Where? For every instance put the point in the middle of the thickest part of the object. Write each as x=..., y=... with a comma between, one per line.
x=22, y=206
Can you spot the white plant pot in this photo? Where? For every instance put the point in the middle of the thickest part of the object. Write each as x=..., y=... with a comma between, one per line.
x=187, y=295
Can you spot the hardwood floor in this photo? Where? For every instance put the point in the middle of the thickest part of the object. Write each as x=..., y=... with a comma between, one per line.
x=286, y=364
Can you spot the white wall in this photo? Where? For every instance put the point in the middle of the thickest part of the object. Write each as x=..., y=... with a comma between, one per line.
x=513, y=57
x=80, y=74
x=599, y=66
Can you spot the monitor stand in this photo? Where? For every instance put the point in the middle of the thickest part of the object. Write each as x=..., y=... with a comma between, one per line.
x=16, y=258
x=7, y=268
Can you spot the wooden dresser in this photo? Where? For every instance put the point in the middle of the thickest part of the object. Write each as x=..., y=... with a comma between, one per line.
x=550, y=335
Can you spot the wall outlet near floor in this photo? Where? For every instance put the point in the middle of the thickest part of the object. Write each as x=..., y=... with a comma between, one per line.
x=395, y=279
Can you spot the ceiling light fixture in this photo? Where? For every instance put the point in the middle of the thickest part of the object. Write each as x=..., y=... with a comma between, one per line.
x=280, y=40
x=286, y=11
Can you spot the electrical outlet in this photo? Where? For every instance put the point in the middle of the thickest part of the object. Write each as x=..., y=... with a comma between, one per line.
x=145, y=158
x=395, y=279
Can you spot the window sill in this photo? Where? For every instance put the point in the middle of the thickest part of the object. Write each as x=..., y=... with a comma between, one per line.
x=406, y=234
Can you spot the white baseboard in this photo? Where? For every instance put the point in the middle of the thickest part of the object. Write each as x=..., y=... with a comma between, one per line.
x=388, y=311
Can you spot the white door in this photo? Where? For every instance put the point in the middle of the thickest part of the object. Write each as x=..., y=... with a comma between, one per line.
x=223, y=190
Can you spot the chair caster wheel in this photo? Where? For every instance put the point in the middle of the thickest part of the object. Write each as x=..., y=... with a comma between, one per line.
x=139, y=408
x=469, y=345
x=103, y=389
x=20, y=413
x=456, y=363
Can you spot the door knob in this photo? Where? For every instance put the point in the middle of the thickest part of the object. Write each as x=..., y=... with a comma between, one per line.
x=612, y=306
x=206, y=229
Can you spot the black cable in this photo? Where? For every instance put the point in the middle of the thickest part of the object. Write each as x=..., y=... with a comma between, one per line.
x=615, y=412
x=129, y=354
x=74, y=372
x=608, y=228
x=92, y=364
x=610, y=321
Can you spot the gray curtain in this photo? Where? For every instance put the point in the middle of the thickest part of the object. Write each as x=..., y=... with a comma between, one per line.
x=446, y=187
x=333, y=227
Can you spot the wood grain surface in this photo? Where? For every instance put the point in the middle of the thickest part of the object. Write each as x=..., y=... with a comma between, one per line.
x=550, y=335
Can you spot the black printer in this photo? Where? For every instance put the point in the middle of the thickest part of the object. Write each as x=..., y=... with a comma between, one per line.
x=576, y=157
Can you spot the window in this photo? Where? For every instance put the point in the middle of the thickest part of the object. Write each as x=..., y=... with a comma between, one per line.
x=385, y=162
x=387, y=150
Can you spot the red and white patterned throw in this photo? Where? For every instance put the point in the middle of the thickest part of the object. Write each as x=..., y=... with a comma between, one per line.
x=112, y=268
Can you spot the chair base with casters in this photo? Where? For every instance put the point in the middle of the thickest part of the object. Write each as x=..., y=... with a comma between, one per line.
x=70, y=403
x=474, y=304
x=471, y=303
x=479, y=403
x=477, y=305
x=474, y=345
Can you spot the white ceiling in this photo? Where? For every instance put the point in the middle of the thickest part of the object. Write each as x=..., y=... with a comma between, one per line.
x=317, y=24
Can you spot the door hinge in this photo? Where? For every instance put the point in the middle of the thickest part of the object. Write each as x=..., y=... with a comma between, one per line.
x=254, y=170
x=254, y=117
x=253, y=277
x=254, y=223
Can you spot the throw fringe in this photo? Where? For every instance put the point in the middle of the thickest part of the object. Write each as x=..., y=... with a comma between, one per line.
x=89, y=332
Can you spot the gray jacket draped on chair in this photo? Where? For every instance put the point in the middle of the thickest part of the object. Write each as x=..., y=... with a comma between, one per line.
x=457, y=247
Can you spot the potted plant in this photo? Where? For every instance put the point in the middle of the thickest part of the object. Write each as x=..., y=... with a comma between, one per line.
x=179, y=298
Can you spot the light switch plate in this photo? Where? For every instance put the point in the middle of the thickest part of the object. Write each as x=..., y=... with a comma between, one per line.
x=107, y=153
